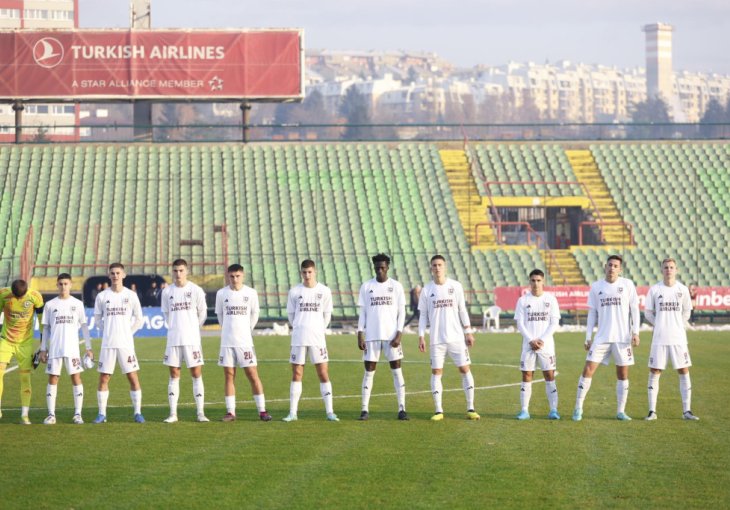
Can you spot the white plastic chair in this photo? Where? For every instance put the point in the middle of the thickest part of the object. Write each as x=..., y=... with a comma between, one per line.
x=491, y=315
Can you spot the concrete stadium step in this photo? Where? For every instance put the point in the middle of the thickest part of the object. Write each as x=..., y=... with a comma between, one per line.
x=562, y=267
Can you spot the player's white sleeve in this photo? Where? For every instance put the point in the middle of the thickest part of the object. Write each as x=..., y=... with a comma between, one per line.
x=686, y=306
x=165, y=305
x=45, y=336
x=291, y=308
x=591, y=323
x=401, y=308
x=137, y=317
x=423, y=310
x=520, y=320
x=649, y=307
x=634, y=310
x=327, y=307
x=219, y=307
x=98, y=314
x=86, y=335
x=202, y=307
x=254, y=316
x=362, y=316
x=463, y=314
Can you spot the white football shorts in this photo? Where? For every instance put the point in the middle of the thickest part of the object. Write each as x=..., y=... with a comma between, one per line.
x=73, y=366
x=191, y=354
x=623, y=353
x=317, y=354
x=529, y=358
x=677, y=354
x=243, y=357
x=373, y=349
x=126, y=358
x=457, y=351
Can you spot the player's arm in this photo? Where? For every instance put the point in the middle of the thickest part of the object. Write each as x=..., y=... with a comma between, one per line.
x=361, y=319
x=165, y=305
x=520, y=320
x=45, y=336
x=401, y=318
x=291, y=308
x=635, y=315
x=255, y=311
x=219, y=307
x=686, y=307
x=552, y=326
x=464, y=317
x=327, y=308
x=202, y=307
x=649, y=314
x=422, y=320
x=87, y=339
x=137, y=317
x=591, y=321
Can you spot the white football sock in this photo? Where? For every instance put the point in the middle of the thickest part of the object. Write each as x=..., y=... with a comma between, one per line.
x=653, y=390
x=295, y=392
x=326, y=390
x=102, y=397
x=230, y=404
x=260, y=401
x=199, y=394
x=367, y=388
x=51, y=391
x=437, y=390
x=685, y=389
x=173, y=394
x=78, y=398
x=584, y=384
x=400, y=387
x=622, y=395
x=467, y=382
x=136, y=397
x=525, y=395
x=551, y=390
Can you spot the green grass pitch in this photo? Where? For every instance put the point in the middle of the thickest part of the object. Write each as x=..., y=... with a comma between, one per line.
x=497, y=462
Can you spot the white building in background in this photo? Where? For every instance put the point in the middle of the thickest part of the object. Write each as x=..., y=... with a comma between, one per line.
x=39, y=14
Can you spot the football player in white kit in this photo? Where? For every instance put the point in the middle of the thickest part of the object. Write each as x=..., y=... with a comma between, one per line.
x=668, y=306
x=443, y=308
x=614, y=304
x=185, y=311
x=309, y=308
x=382, y=304
x=237, y=308
x=537, y=316
x=118, y=314
x=62, y=318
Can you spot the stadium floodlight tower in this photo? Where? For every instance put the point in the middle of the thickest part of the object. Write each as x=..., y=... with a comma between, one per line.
x=140, y=16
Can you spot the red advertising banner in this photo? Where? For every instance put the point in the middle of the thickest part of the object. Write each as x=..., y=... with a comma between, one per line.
x=576, y=297
x=208, y=65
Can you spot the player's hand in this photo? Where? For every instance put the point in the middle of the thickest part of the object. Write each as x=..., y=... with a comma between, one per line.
x=587, y=345
x=536, y=344
x=44, y=356
x=421, y=344
x=396, y=341
x=90, y=354
x=635, y=340
x=360, y=340
x=469, y=339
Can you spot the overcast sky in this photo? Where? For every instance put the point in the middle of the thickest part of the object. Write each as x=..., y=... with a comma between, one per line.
x=465, y=32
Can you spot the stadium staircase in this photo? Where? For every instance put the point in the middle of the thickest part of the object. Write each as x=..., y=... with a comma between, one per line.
x=588, y=173
x=471, y=207
x=563, y=267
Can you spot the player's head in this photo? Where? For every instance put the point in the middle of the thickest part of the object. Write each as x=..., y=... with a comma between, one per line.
x=180, y=271
x=381, y=264
x=19, y=288
x=669, y=269
x=116, y=273
x=235, y=276
x=537, y=282
x=63, y=284
x=438, y=266
x=308, y=272
x=613, y=267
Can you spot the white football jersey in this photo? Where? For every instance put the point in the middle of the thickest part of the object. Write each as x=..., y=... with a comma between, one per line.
x=185, y=311
x=64, y=317
x=443, y=308
x=238, y=313
x=306, y=308
x=671, y=307
x=382, y=309
x=118, y=315
x=537, y=317
x=617, y=308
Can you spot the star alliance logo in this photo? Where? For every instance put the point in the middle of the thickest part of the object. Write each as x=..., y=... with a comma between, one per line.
x=215, y=83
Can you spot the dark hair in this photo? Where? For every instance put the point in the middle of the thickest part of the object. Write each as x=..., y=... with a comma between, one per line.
x=307, y=263
x=381, y=257
x=115, y=265
x=19, y=288
x=537, y=272
x=438, y=257
x=180, y=262
x=615, y=257
x=235, y=268
x=63, y=276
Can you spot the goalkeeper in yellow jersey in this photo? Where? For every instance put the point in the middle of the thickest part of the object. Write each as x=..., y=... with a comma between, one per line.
x=16, y=337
